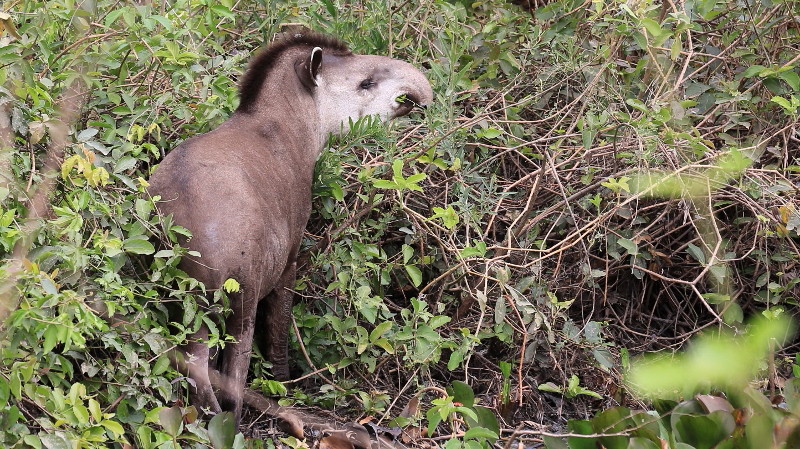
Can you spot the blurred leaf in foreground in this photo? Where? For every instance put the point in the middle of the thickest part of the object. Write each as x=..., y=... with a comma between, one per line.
x=723, y=360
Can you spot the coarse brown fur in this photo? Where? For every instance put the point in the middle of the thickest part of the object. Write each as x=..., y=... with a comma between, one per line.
x=262, y=63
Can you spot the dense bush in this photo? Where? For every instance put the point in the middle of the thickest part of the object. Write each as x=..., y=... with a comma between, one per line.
x=593, y=179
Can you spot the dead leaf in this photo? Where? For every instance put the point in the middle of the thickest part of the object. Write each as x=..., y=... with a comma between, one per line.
x=365, y=420
x=713, y=403
x=412, y=434
x=411, y=408
x=292, y=425
x=335, y=442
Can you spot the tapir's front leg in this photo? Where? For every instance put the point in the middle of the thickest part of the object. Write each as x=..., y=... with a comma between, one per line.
x=236, y=355
x=198, y=358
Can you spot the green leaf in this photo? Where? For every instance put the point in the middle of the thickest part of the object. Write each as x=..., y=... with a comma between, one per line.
x=330, y=7
x=50, y=337
x=463, y=393
x=81, y=413
x=550, y=387
x=94, y=409
x=5, y=391
x=397, y=168
x=416, y=178
x=641, y=443
x=478, y=250
x=489, y=133
x=336, y=191
x=487, y=419
x=480, y=432
x=138, y=245
x=223, y=11
x=438, y=321
x=785, y=104
x=716, y=298
x=222, y=430
x=384, y=184
x=703, y=432
x=51, y=441
x=415, y=274
x=791, y=78
x=385, y=345
x=380, y=330
x=448, y=216
x=697, y=253
x=161, y=365
x=636, y=104
x=630, y=246
x=171, y=419
x=231, y=285
x=753, y=71
x=456, y=357
x=433, y=419
x=408, y=252
x=114, y=427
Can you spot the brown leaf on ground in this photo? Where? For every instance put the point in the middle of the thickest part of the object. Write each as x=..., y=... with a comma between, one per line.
x=291, y=424
x=411, y=408
x=335, y=442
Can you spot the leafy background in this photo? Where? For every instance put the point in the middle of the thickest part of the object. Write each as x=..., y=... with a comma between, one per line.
x=594, y=180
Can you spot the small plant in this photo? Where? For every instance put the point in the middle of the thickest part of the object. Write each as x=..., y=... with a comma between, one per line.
x=571, y=390
x=459, y=405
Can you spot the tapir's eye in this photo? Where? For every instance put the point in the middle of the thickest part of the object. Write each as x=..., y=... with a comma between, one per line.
x=367, y=83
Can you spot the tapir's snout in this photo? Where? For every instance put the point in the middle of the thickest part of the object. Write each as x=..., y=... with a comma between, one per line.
x=415, y=90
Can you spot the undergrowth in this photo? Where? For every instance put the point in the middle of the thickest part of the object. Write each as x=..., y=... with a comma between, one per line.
x=594, y=180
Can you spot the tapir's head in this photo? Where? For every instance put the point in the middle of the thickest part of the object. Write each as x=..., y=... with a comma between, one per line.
x=344, y=86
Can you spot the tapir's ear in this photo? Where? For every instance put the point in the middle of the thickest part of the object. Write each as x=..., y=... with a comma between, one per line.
x=308, y=69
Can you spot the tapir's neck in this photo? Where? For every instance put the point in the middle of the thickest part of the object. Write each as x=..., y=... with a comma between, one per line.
x=290, y=113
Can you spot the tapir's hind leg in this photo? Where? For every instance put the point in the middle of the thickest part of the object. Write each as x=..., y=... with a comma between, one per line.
x=198, y=357
x=274, y=318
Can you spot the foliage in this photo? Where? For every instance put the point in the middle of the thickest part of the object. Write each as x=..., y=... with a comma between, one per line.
x=747, y=419
x=602, y=176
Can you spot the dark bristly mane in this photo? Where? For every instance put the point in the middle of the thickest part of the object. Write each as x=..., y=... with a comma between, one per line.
x=259, y=67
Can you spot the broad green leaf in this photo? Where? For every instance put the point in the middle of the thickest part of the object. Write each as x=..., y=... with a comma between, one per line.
x=94, y=409
x=415, y=274
x=630, y=246
x=51, y=441
x=753, y=70
x=408, y=252
x=115, y=427
x=438, y=321
x=385, y=345
x=697, y=253
x=384, y=184
x=222, y=430
x=791, y=78
x=462, y=393
x=380, y=330
x=171, y=419
x=433, y=420
x=138, y=245
x=480, y=432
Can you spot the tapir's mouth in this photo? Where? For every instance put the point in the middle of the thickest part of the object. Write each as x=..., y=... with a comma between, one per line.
x=406, y=102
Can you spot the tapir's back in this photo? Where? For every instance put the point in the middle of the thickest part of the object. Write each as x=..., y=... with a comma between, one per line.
x=245, y=206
